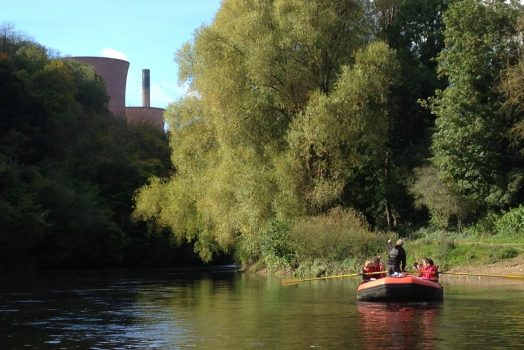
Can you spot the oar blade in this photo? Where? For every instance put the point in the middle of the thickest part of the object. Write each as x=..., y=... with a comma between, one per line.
x=295, y=280
x=290, y=281
x=519, y=277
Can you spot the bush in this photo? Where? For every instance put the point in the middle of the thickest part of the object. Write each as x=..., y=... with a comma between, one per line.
x=511, y=224
x=335, y=236
x=248, y=250
x=502, y=254
x=270, y=249
x=277, y=252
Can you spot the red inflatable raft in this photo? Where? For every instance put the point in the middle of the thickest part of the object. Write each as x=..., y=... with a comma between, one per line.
x=408, y=288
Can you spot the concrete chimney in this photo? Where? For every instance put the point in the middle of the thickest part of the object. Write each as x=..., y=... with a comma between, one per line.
x=145, y=88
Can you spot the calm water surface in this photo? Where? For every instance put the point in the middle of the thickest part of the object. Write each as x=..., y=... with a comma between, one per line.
x=222, y=309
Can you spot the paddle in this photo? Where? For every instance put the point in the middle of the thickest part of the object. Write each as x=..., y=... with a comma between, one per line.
x=483, y=275
x=296, y=280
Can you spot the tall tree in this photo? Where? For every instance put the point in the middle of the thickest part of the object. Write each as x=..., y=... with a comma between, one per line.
x=469, y=152
x=414, y=30
x=252, y=72
x=68, y=169
x=339, y=144
x=512, y=108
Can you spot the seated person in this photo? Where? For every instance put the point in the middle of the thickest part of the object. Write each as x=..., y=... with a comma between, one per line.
x=379, y=267
x=427, y=270
x=367, y=269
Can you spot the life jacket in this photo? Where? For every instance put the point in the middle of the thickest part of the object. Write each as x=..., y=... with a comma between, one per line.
x=429, y=273
x=378, y=268
x=365, y=271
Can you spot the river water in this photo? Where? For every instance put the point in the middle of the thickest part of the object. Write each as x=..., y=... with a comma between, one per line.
x=223, y=309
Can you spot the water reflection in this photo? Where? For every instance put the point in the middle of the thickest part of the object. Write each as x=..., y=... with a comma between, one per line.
x=398, y=325
x=226, y=310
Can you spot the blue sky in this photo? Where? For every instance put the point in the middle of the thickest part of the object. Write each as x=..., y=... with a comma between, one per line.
x=147, y=33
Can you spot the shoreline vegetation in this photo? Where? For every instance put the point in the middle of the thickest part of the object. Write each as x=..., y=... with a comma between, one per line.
x=300, y=250
x=313, y=132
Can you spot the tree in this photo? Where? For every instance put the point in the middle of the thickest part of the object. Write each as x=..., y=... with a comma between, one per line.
x=414, y=29
x=68, y=169
x=341, y=139
x=251, y=73
x=468, y=150
x=512, y=110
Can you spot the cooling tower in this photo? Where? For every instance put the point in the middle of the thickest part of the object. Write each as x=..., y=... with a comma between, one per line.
x=146, y=115
x=114, y=73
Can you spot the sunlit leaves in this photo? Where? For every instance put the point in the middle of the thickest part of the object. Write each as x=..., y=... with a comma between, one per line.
x=250, y=73
x=339, y=134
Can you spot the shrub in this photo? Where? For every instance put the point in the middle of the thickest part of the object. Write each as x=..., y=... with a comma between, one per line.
x=502, y=254
x=511, y=224
x=248, y=250
x=335, y=236
x=276, y=250
x=484, y=227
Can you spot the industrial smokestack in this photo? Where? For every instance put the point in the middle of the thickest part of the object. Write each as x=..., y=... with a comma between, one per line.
x=145, y=88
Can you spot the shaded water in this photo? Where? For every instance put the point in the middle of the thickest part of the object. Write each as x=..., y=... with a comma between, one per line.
x=222, y=309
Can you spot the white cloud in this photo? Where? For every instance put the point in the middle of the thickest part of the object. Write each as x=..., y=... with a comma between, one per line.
x=112, y=53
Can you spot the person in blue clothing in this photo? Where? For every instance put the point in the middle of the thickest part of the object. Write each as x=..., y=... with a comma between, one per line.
x=397, y=258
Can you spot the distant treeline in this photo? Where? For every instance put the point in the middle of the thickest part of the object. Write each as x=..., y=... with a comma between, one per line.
x=69, y=169
x=312, y=126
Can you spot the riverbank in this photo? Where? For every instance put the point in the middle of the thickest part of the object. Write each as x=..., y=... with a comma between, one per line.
x=508, y=266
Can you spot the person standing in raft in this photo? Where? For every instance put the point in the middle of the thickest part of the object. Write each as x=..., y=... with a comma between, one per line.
x=397, y=258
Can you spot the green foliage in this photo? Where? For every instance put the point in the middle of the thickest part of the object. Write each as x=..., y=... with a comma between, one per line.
x=340, y=134
x=439, y=245
x=68, y=169
x=252, y=72
x=478, y=254
x=468, y=151
x=484, y=227
x=21, y=216
x=315, y=267
x=338, y=235
x=511, y=224
x=443, y=205
x=504, y=253
x=512, y=110
x=297, y=109
x=470, y=247
x=276, y=249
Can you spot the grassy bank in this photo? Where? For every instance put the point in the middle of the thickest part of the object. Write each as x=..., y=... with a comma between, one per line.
x=341, y=241
x=449, y=250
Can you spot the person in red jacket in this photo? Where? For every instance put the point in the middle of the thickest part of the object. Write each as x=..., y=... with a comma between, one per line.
x=379, y=267
x=427, y=270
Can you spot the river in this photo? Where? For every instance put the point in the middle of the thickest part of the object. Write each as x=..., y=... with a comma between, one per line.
x=223, y=309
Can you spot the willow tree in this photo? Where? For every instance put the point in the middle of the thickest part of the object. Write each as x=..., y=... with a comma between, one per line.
x=251, y=73
x=338, y=146
x=469, y=150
